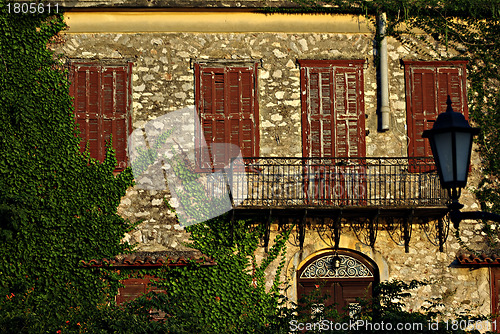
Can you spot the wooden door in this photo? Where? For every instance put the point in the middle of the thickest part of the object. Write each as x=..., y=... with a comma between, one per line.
x=333, y=126
x=102, y=101
x=338, y=288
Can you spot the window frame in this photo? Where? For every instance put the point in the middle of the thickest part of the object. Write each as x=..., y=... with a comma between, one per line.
x=338, y=284
x=358, y=66
x=226, y=68
x=440, y=104
x=102, y=66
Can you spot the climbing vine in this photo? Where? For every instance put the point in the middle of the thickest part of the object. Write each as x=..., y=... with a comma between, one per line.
x=230, y=297
x=57, y=205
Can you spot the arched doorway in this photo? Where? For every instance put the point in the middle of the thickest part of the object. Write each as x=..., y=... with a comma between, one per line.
x=354, y=278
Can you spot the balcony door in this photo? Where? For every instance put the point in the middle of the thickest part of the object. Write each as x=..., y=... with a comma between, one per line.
x=333, y=126
x=336, y=287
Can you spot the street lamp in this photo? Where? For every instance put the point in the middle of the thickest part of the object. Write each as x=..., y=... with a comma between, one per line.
x=451, y=144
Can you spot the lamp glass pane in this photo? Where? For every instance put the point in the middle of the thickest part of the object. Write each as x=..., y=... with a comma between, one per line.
x=444, y=154
x=463, y=140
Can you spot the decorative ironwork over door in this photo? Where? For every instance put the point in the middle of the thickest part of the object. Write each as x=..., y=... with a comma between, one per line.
x=338, y=286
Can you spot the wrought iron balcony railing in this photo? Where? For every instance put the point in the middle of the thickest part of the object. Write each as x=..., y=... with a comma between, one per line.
x=338, y=182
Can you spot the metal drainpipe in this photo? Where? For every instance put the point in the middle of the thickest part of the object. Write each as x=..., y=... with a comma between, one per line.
x=384, y=75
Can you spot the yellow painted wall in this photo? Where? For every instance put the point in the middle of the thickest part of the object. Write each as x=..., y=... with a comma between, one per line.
x=217, y=21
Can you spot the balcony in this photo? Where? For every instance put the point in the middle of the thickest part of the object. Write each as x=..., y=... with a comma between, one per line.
x=353, y=185
x=363, y=194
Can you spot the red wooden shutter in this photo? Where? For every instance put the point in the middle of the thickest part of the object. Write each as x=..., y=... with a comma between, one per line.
x=115, y=85
x=424, y=111
x=332, y=108
x=226, y=102
x=349, y=114
x=136, y=287
x=102, y=101
x=211, y=111
x=242, y=109
x=85, y=89
x=427, y=86
x=319, y=109
x=133, y=288
x=451, y=81
x=333, y=125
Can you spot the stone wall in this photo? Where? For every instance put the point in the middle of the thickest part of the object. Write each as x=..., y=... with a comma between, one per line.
x=163, y=78
x=163, y=81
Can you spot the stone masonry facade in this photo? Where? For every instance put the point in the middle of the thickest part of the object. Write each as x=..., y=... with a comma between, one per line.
x=163, y=81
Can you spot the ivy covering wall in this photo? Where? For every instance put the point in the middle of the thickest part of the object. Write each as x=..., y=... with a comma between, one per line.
x=57, y=206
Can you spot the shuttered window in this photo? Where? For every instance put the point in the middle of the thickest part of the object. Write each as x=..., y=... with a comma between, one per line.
x=333, y=119
x=226, y=102
x=132, y=289
x=102, y=103
x=427, y=86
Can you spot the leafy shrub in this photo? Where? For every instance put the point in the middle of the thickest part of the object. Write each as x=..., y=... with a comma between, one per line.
x=57, y=205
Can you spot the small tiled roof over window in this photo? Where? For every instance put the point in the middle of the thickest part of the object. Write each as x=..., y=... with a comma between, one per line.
x=478, y=260
x=152, y=259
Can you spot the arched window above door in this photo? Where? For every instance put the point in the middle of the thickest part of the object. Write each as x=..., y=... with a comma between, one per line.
x=350, y=267
x=341, y=286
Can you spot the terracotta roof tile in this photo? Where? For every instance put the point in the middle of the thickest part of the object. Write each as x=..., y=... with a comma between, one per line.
x=151, y=259
x=478, y=260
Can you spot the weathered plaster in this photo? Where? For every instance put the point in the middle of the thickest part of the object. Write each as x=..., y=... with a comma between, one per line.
x=215, y=21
